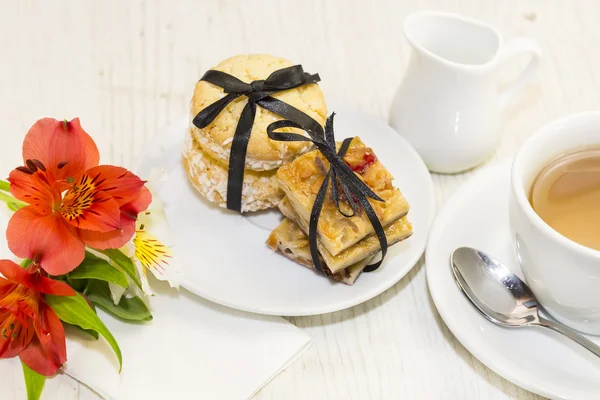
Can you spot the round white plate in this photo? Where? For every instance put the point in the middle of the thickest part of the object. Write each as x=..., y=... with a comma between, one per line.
x=534, y=358
x=224, y=256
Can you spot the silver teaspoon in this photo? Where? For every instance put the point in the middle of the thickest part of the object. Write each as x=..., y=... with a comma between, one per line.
x=501, y=296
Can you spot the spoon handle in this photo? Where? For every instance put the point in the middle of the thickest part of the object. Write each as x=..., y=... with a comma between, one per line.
x=571, y=334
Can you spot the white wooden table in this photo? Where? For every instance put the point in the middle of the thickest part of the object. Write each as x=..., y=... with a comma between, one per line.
x=127, y=68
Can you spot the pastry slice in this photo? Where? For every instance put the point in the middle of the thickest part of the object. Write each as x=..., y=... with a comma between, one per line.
x=302, y=178
x=366, y=248
x=289, y=240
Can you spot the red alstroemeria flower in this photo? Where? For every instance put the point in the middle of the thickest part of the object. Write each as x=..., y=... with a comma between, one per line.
x=29, y=328
x=73, y=202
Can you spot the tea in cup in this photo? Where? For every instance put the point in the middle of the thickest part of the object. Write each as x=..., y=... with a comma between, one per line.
x=566, y=195
x=555, y=218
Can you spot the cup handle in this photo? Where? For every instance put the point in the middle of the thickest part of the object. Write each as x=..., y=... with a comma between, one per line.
x=513, y=48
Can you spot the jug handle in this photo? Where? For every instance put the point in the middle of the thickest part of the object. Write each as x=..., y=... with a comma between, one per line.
x=513, y=48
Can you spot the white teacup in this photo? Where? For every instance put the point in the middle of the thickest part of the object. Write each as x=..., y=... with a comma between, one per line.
x=564, y=275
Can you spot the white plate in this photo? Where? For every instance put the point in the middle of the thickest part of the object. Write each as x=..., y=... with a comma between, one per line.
x=224, y=256
x=534, y=358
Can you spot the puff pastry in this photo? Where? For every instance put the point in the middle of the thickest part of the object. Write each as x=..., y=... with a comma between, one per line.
x=302, y=178
x=366, y=248
x=289, y=240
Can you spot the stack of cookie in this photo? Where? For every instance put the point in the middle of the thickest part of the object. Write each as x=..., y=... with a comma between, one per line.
x=346, y=244
x=207, y=150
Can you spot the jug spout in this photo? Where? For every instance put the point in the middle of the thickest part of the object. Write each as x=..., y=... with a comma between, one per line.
x=452, y=40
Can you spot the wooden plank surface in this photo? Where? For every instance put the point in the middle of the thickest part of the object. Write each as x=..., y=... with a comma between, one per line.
x=128, y=67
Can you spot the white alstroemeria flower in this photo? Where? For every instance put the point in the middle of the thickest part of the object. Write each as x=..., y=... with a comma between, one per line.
x=149, y=246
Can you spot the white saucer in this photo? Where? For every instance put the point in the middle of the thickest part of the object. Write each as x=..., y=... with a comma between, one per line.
x=224, y=256
x=536, y=359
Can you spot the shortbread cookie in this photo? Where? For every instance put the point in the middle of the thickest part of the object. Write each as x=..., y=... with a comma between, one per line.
x=209, y=176
x=301, y=180
x=263, y=154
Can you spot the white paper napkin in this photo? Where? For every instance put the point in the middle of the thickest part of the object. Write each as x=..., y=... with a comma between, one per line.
x=191, y=349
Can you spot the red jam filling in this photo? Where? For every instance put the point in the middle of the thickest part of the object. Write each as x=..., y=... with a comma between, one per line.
x=368, y=160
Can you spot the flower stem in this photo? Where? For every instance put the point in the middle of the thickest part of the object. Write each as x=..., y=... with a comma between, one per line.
x=5, y=186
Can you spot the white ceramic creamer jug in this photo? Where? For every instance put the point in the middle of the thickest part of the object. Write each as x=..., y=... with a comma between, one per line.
x=448, y=105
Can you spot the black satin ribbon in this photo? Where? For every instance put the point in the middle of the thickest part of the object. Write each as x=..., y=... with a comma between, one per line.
x=258, y=93
x=340, y=175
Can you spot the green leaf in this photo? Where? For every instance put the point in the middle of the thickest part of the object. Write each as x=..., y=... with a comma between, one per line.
x=125, y=263
x=75, y=310
x=90, y=332
x=4, y=186
x=130, y=309
x=94, y=267
x=34, y=382
x=77, y=284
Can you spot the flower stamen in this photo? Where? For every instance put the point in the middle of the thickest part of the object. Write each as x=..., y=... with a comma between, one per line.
x=35, y=165
x=25, y=170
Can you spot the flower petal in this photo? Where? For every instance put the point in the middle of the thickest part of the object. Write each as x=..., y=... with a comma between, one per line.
x=141, y=203
x=85, y=206
x=21, y=301
x=142, y=273
x=116, y=292
x=12, y=271
x=117, y=182
x=47, y=352
x=43, y=284
x=128, y=249
x=36, y=188
x=46, y=239
x=154, y=220
x=63, y=147
x=157, y=258
x=14, y=336
x=36, y=281
x=109, y=240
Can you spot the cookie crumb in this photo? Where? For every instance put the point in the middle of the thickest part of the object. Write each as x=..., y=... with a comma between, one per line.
x=530, y=16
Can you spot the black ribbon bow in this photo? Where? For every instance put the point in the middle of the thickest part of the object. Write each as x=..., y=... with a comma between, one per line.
x=259, y=93
x=340, y=175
